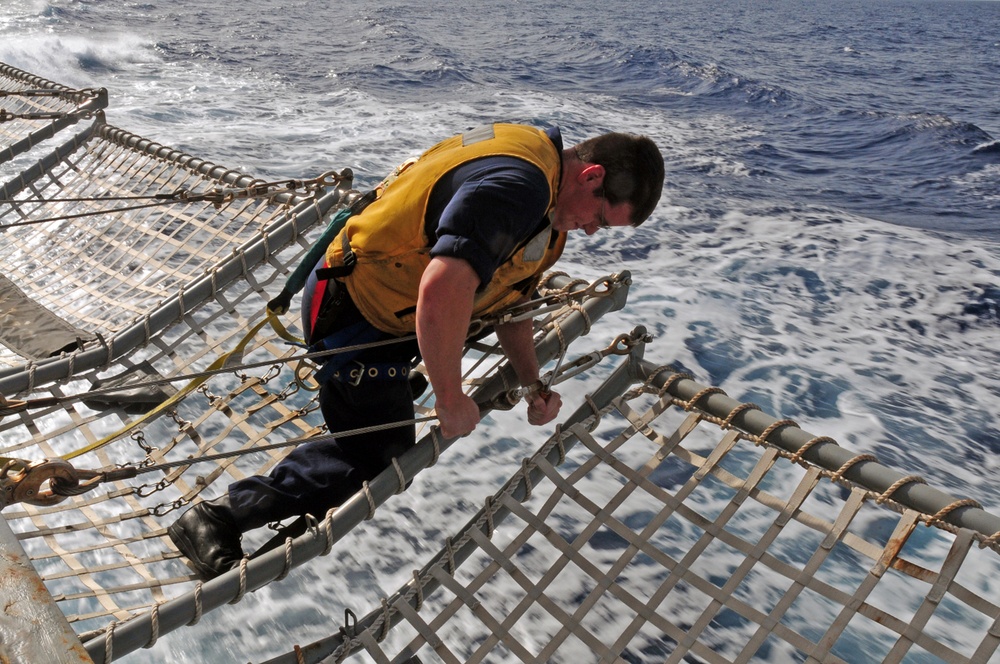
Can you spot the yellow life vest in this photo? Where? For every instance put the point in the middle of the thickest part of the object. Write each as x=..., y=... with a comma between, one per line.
x=389, y=243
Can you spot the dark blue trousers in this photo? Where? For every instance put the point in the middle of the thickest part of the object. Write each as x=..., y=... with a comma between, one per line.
x=317, y=476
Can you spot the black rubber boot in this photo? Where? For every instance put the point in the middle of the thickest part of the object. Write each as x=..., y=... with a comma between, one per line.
x=208, y=535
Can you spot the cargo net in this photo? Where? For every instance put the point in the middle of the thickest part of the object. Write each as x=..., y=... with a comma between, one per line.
x=33, y=109
x=661, y=537
x=103, y=554
x=111, y=227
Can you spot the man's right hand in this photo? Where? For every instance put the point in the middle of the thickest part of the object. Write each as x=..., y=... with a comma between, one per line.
x=543, y=407
x=458, y=416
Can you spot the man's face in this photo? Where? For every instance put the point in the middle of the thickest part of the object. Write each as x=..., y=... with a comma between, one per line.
x=589, y=212
x=581, y=204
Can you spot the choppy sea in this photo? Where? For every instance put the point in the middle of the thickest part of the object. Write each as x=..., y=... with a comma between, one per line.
x=826, y=245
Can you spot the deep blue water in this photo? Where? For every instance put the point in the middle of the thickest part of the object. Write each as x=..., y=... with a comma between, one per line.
x=827, y=245
x=889, y=109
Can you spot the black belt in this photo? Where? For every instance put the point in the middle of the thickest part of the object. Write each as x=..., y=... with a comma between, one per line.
x=355, y=372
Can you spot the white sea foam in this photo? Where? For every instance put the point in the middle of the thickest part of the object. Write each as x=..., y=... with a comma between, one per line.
x=76, y=61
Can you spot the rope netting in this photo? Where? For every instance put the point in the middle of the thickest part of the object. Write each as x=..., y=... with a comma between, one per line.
x=104, y=555
x=112, y=227
x=134, y=285
x=33, y=109
x=652, y=531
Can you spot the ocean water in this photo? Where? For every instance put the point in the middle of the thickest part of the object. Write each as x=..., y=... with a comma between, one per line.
x=826, y=245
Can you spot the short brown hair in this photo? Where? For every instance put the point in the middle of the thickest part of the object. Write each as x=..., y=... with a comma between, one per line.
x=633, y=170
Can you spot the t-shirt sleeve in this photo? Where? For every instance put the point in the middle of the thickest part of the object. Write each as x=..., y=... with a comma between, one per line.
x=498, y=205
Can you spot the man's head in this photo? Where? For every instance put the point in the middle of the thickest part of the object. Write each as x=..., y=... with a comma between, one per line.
x=611, y=180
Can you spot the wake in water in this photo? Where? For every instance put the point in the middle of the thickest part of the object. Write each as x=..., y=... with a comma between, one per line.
x=769, y=268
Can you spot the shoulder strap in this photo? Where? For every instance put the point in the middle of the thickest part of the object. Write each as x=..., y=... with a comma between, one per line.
x=297, y=279
x=350, y=260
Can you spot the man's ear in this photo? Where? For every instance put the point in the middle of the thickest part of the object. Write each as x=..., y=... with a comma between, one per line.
x=592, y=174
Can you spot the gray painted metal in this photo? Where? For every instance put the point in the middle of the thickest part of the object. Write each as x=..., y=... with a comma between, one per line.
x=182, y=610
x=828, y=454
x=32, y=628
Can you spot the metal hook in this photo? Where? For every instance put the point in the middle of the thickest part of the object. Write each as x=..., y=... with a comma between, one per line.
x=27, y=485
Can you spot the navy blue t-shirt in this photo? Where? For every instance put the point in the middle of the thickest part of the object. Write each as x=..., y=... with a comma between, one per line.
x=484, y=210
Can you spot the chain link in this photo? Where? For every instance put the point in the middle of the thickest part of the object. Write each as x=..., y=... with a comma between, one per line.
x=146, y=490
x=212, y=398
x=166, y=508
x=140, y=439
